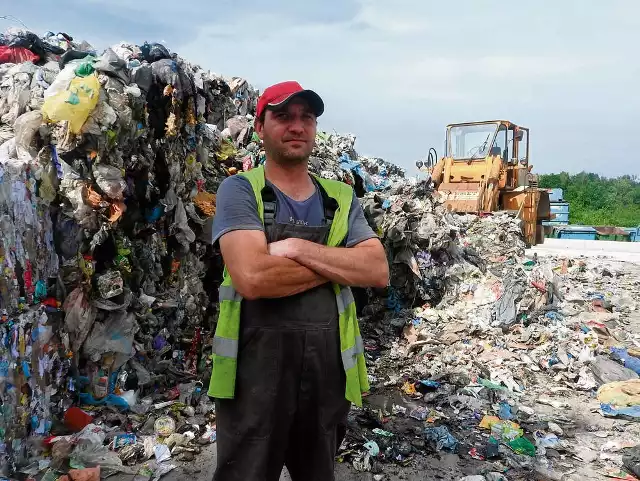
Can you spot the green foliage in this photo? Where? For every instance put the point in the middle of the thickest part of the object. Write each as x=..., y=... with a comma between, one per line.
x=598, y=201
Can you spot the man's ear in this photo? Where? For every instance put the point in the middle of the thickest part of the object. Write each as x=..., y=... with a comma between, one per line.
x=259, y=127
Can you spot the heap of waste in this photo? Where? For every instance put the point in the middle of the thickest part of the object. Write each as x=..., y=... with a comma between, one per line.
x=109, y=164
x=499, y=359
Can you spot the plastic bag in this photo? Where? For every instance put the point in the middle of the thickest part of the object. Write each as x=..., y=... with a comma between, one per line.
x=85, y=68
x=74, y=104
x=17, y=55
x=112, y=65
x=79, y=318
x=442, y=438
x=25, y=127
x=60, y=452
x=625, y=393
x=86, y=474
x=109, y=179
x=91, y=452
x=31, y=41
x=180, y=225
x=109, y=400
x=115, y=334
x=63, y=79
x=522, y=446
x=629, y=361
x=152, y=52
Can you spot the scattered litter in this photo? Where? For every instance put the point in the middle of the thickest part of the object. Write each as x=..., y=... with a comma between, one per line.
x=372, y=447
x=164, y=426
x=442, y=438
x=162, y=453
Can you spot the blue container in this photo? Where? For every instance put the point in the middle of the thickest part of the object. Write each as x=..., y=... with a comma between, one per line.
x=561, y=212
x=555, y=195
x=634, y=234
x=577, y=232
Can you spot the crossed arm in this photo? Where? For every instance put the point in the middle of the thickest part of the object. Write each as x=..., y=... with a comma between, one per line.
x=291, y=266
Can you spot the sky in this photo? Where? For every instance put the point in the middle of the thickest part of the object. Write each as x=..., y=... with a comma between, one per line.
x=395, y=73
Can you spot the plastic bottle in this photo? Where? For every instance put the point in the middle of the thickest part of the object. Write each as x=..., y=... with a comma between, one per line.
x=100, y=385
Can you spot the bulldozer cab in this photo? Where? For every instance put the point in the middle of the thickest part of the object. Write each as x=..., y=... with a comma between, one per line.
x=477, y=140
x=486, y=168
x=481, y=161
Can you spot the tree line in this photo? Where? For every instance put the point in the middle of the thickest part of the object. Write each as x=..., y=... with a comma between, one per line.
x=598, y=201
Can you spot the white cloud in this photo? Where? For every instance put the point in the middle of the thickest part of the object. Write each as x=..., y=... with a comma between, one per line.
x=391, y=19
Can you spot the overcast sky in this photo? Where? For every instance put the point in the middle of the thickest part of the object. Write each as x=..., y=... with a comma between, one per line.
x=394, y=73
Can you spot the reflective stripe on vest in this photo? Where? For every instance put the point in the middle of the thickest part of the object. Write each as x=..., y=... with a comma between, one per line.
x=344, y=299
x=228, y=293
x=225, y=347
x=225, y=341
x=350, y=356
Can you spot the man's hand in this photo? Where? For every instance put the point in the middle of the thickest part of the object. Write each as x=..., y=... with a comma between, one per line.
x=284, y=248
x=257, y=274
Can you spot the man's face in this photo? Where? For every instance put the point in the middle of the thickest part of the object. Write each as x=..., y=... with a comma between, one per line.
x=289, y=133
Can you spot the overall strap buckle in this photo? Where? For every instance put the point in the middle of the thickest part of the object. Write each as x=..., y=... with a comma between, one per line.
x=270, y=203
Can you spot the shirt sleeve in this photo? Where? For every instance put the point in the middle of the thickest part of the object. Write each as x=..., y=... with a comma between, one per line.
x=359, y=229
x=236, y=208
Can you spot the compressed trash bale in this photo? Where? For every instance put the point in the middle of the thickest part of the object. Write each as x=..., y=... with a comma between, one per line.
x=100, y=248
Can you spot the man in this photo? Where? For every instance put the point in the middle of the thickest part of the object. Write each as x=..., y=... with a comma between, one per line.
x=288, y=356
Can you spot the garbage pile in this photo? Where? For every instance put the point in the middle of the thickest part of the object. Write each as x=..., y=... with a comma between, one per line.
x=431, y=249
x=335, y=157
x=109, y=165
x=108, y=171
x=520, y=366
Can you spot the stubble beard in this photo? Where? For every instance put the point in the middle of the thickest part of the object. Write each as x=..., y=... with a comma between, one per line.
x=286, y=158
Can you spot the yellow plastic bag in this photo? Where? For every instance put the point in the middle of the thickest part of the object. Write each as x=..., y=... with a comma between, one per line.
x=74, y=104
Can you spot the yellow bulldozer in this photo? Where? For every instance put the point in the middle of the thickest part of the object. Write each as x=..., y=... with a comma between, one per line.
x=486, y=168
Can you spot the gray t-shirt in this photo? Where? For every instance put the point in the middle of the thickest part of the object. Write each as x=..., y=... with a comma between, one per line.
x=236, y=209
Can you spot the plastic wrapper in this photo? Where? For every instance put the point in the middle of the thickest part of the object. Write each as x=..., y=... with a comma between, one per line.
x=110, y=284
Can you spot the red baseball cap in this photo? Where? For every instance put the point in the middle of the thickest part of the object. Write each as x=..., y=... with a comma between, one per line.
x=279, y=94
